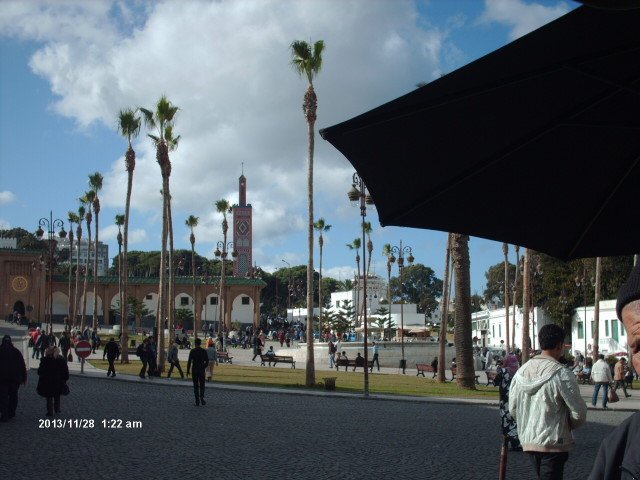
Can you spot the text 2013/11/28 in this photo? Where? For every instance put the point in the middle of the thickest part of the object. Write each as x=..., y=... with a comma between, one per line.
x=85, y=423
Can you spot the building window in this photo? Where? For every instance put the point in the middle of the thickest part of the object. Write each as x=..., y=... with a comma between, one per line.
x=580, y=330
x=245, y=300
x=593, y=328
x=500, y=330
x=493, y=330
x=213, y=300
x=184, y=301
x=149, y=297
x=606, y=328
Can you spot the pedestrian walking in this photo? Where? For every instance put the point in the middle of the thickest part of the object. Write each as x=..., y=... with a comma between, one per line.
x=53, y=373
x=602, y=378
x=13, y=372
x=173, y=360
x=509, y=428
x=332, y=353
x=143, y=354
x=197, y=364
x=212, y=355
x=65, y=344
x=619, y=374
x=545, y=401
x=434, y=366
x=36, y=336
x=111, y=351
x=95, y=341
x=376, y=352
x=152, y=351
x=257, y=347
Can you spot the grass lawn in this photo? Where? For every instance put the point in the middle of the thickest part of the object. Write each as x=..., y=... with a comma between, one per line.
x=346, y=381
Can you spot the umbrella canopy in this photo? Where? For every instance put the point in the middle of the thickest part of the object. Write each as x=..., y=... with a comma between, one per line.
x=535, y=144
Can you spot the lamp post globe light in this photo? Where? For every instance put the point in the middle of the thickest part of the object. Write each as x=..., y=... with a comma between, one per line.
x=401, y=251
x=50, y=224
x=221, y=252
x=358, y=196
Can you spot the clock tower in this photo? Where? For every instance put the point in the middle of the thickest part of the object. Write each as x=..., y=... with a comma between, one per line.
x=242, y=231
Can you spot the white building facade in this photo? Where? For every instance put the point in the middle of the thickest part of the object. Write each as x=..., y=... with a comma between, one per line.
x=103, y=253
x=489, y=326
x=612, y=337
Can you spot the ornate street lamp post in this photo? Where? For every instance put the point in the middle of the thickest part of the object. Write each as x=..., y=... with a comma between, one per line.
x=358, y=195
x=50, y=224
x=289, y=290
x=221, y=252
x=582, y=282
x=401, y=251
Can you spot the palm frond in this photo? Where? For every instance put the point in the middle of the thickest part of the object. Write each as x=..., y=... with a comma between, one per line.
x=120, y=219
x=128, y=123
x=95, y=181
x=149, y=120
x=192, y=221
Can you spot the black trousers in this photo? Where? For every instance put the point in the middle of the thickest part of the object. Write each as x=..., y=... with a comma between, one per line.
x=198, y=385
x=53, y=403
x=8, y=399
x=177, y=365
x=143, y=370
x=112, y=367
x=548, y=465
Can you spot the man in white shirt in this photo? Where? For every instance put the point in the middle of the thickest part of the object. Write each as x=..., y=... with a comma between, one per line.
x=602, y=378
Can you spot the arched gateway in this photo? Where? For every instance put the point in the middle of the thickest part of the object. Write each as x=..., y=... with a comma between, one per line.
x=23, y=288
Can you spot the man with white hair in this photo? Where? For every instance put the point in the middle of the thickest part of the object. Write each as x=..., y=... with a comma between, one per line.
x=619, y=455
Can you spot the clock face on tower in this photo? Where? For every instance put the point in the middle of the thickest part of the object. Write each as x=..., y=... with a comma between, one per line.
x=243, y=227
x=19, y=284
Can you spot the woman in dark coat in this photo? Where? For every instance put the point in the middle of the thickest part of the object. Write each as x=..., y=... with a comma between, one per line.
x=53, y=373
x=509, y=427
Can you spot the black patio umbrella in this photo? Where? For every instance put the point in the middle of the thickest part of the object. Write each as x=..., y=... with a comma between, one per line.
x=536, y=144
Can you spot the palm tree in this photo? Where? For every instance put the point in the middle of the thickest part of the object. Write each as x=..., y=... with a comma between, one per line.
x=596, y=310
x=321, y=226
x=192, y=222
x=444, y=313
x=72, y=218
x=505, y=251
x=463, y=340
x=95, y=182
x=161, y=120
x=223, y=206
x=87, y=199
x=81, y=216
x=368, y=229
x=119, y=223
x=515, y=289
x=129, y=127
x=308, y=62
x=357, y=243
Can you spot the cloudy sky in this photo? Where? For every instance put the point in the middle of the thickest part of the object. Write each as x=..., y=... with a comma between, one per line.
x=67, y=68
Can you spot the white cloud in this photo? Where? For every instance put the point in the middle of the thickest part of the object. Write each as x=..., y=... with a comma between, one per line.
x=6, y=197
x=4, y=225
x=340, y=273
x=227, y=66
x=520, y=16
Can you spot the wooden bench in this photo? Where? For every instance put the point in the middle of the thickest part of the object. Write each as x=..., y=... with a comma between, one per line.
x=277, y=359
x=341, y=362
x=224, y=357
x=425, y=367
x=454, y=371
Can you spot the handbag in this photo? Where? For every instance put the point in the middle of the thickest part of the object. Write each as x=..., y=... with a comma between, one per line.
x=65, y=389
x=613, y=396
x=70, y=357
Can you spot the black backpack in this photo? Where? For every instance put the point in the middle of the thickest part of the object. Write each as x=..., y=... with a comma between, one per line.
x=140, y=350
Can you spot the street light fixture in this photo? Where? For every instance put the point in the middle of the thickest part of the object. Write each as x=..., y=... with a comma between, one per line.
x=358, y=195
x=50, y=224
x=221, y=252
x=401, y=251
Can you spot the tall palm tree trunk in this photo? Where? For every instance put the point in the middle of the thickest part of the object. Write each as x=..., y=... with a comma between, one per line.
x=463, y=340
x=515, y=290
x=162, y=287
x=311, y=102
x=444, y=315
x=95, y=271
x=526, y=285
x=196, y=310
x=320, y=294
x=124, y=327
x=86, y=274
x=596, y=311
x=77, y=287
x=70, y=302
x=505, y=251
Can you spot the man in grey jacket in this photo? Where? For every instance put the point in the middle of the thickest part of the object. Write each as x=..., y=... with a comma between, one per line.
x=545, y=401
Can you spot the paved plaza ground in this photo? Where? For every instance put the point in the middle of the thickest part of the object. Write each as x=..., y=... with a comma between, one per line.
x=261, y=433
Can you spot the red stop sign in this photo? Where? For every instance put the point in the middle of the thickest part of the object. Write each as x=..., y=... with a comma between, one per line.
x=83, y=349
